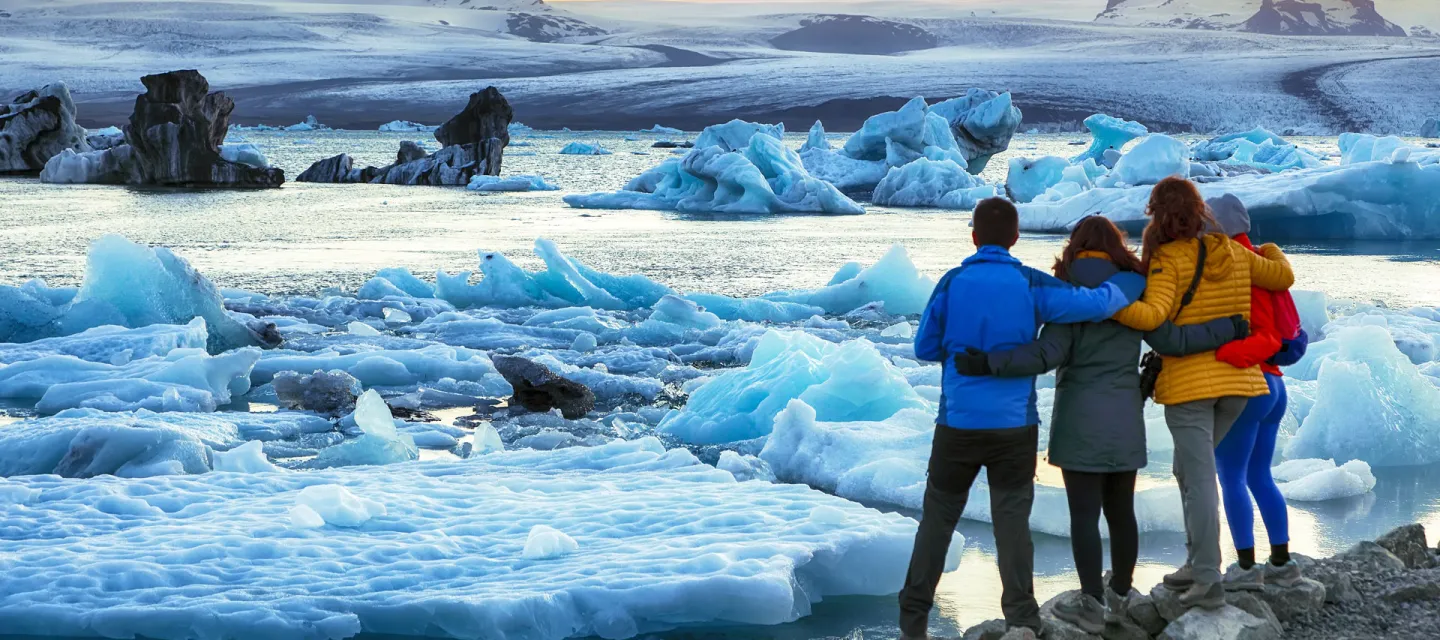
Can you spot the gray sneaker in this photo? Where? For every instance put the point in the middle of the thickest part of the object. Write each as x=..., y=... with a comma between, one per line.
x=1287, y=575
x=1116, y=605
x=1083, y=611
x=1205, y=596
x=1180, y=580
x=1252, y=579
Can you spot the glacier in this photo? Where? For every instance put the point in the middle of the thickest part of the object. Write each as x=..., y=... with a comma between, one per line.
x=439, y=549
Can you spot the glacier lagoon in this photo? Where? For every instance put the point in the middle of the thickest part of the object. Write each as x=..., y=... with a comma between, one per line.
x=304, y=238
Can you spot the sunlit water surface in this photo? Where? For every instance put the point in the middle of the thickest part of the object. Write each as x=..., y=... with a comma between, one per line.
x=305, y=237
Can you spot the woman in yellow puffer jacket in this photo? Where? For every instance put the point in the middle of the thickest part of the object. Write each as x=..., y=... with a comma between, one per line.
x=1202, y=396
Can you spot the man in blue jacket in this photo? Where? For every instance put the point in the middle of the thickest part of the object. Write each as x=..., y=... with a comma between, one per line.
x=990, y=302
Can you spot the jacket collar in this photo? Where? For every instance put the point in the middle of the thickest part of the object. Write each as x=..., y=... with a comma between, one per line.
x=1094, y=254
x=991, y=253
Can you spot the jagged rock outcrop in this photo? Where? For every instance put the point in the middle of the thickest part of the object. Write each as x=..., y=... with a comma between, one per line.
x=36, y=126
x=173, y=139
x=473, y=143
x=539, y=389
x=1431, y=128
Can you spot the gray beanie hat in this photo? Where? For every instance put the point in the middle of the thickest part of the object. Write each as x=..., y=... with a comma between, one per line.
x=1231, y=216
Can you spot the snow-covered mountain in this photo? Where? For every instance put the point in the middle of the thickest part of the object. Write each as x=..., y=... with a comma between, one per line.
x=1278, y=17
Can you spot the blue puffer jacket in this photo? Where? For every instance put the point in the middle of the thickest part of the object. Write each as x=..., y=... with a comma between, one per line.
x=991, y=302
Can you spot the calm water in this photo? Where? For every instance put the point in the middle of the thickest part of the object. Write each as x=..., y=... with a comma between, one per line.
x=302, y=238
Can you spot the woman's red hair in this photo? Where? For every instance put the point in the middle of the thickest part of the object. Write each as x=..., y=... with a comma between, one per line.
x=1177, y=212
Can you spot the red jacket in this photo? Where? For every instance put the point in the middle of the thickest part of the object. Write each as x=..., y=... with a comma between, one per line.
x=1264, y=340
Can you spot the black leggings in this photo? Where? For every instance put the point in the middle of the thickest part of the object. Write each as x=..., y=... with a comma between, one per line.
x=1089, y=494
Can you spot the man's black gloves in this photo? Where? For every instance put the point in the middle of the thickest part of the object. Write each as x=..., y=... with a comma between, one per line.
x=1242, y=326
x=973, y=363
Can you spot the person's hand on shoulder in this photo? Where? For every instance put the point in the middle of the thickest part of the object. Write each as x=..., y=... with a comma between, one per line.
x=973, y=363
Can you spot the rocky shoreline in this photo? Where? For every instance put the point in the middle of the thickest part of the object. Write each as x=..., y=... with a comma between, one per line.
x=1388, y=588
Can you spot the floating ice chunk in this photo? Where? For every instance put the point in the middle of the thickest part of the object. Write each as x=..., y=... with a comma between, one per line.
x=1357, y=148
x=406, y=126
x=902, y=330
x=392, y=368
x=246, y=458
x=923, y=183
x=1107, y=133
x=736, y=135
x=565, y=282
x=145, y=286
x=1314, y=310
x=326, y=392
x=1257, y=148
x=584, y=343
x=893, y=280
x=1417, y=337
x=1312, y=480
x=380, y=443
x=405, y=281
x=544, y=543
x=107, y=343
x=1371, y=404
x=183, y=380
x=816, y=139
x=518, y=128
x=303, y=517
x=90, y=167
x=904, y=127
x=1029, y=178
x=358, y=328
x=746, y=467
x=397, y=316
x=846, y=382
x=337, y=506
x=662, y=130
x=487, y=440
x=510, y=183
x=1153, y=159
x=765, y=178
x=246, y=154
x=310, y=124
x=468, y=520
x=584, y=149
x=753, y=309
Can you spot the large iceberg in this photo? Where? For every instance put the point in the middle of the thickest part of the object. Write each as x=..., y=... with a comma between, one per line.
x=1320, y=480
x=1371, y=403
x=584, y=149
x=983, y=122
x=1363, y=201
x=931, y=183
x=182, y=380
x=1151, y=160
x=731, y=174
x=1029, y=178
x=1256, y=148
x=447, y=557
x=1108, y=133
x=847, y=382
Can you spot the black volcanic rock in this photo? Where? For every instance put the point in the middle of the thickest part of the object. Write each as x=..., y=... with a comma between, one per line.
x=855, y=34
x=337, y=169
x=36, y=126
x=539, y=389
x=176, y=131
x=549, y=28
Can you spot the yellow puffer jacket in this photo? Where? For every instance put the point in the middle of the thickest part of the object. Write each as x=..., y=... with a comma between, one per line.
x=1230, y=271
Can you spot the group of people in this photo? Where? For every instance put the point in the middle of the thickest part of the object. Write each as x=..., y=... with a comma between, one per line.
x=1216, y=312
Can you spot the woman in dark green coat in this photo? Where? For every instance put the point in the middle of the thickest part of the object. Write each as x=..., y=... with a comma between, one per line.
x=1097, y=428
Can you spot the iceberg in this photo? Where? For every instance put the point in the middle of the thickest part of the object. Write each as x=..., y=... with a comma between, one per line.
x=1359, y=148
x=1371, y=403
x=407, y=127
x=928, y=183
x=845, y=382
x=735, y=135
x=510, y=183
x=182, y=380
x=1364, y=201
x=764, y=177
x=983, y=122
x=1256, y=148
x=584, y=149
x=1151, y=160
x=1416, y=336
x=310, y=124
x=111, y=344
x=393, y=368
x=447, y=555
x=885, y=142
x=565, y=282
x=1108, y=133
x=816, y=139
x=246, y=458
x=663, y=130
x=893, y=280
x=1030, y=178
x=1320, y=480
x=246, y=154
x=379, y=442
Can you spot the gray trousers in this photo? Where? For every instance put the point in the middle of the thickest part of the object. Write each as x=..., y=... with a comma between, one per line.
x=1197, y=427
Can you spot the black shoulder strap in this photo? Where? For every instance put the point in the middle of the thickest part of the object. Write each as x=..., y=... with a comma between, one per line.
x=1194, y=282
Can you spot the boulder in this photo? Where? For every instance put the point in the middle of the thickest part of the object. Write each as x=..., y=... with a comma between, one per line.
x=330, y=393
x=36, y=126
x=1368, y=556
x=1408, y=544
x=484, y=124
x=337, y=169
x=987, y=630
x=1426, y=588
x=176, y=131
x=1019, y=633
x=1167, y=603
x=1140, y=608
x=1289, y=603
x=539, y=389
x=409, y=152
x=1339, y=587
x=1431, y=128
x=1226, y=623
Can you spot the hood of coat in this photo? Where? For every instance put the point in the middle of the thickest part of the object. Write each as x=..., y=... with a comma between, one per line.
x=1220, y=261
x=1091, y=269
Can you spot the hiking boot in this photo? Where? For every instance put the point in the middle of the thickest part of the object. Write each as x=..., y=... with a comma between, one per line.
x=1252, y=579
x=1083, y=611
x=1180, y=580
x=1205, y=596
x=1287, y=575
x=1117, y=607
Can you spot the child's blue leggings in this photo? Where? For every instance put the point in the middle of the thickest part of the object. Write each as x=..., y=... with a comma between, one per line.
x=1243, y=462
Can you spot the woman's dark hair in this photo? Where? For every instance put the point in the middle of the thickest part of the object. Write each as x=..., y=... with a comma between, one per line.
x=1096, y=233
x=1177, y=212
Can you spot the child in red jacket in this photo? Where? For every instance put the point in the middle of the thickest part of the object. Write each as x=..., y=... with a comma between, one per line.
x=1243, y=454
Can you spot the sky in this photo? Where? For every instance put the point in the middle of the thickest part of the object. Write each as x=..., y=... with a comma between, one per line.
x=1403, y=12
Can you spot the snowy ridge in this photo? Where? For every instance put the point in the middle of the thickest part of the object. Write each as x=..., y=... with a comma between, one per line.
x=1278, y=17
x=189, y=550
